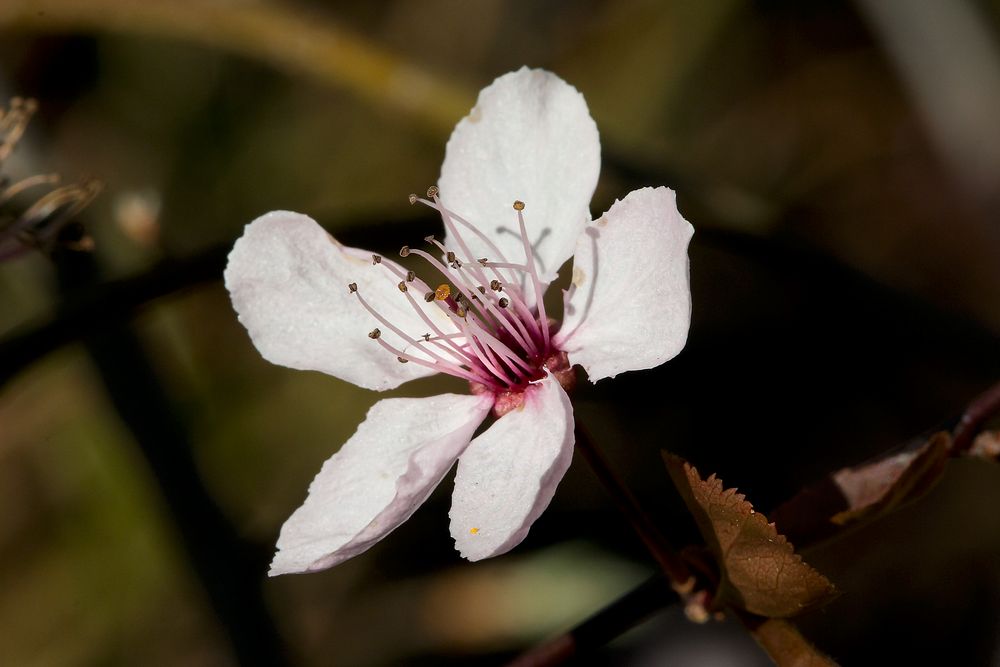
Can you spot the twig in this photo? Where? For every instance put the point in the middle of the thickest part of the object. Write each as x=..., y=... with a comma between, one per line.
x=982, y=408
x=657, y=545
x=97, y=307
x=633, y=607
x=623, y=614
x=92, y=308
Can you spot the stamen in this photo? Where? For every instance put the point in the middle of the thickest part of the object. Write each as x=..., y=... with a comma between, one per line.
x=452, y=347
x=447, y=216
x=450, y=369
x=376, y=334
x=455, y=263
x=498, y=346
x=455, y=277
x=499, y=341
x=502, y=319
x=529, y=258
x=353, y=287
x=507, y=265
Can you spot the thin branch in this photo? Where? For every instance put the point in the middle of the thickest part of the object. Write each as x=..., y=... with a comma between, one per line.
x=980, y=410
x=656, y=543
x=621, y=615
x=633, y=607
x=92, y=308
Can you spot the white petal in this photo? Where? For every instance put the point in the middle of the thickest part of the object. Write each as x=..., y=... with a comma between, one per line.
x=288, y=281
x=530, y=137
x=629, y=307
x=508, y=475
x=377, y=479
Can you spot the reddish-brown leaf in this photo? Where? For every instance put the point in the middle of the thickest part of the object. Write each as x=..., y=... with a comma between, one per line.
x=878, y=488
x=760, y=571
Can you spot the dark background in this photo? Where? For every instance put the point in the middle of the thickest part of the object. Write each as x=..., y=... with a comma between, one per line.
x=840, y=164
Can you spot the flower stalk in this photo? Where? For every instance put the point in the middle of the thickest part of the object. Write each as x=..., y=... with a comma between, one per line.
x=673, y=566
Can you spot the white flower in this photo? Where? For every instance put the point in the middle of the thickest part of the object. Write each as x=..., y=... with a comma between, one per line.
x=311, y=303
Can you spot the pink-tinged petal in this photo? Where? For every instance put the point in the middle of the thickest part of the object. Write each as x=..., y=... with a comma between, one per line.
x=288, y=280
x=508, y=475
x=380, y=476
x=530, y=137
x=629, y=306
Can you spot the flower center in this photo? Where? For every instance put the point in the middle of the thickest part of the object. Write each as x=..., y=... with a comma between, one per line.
x=497, y=341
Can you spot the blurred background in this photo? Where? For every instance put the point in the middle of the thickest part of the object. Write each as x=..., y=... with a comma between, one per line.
x=840, y=163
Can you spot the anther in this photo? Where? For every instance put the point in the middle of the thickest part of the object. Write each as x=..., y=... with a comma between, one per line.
x=404, y=251
x=518, y=205
x=353, y=287
x=460, y=311
x=484, y=261
x=374, y=334
x=402, y=285
x=427, y=338
x=413, y=199
x=410, y=276
x=503, y=302
x=496, y=286
x=429, y=297
x=442, y=292
x=433, y=191
x=376, y=259
x=402, y=360
x=429, y=239
x=450, y=257
x=457, y=264
x=482, y=290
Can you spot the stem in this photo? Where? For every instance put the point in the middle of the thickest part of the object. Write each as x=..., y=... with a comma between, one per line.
x=657, y=545
x=980, y=410
x=623, y=614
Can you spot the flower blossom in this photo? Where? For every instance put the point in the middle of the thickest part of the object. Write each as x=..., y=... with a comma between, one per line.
x=514, y=194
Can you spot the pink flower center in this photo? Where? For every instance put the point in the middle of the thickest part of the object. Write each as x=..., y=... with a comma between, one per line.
x=498, y=342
